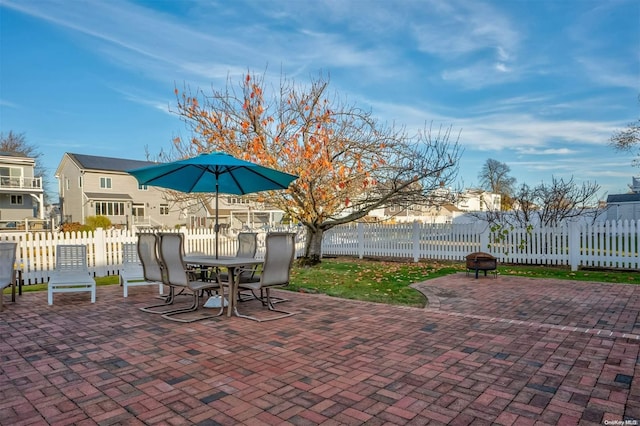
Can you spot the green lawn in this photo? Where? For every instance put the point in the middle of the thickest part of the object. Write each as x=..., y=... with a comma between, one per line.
x=388, y=282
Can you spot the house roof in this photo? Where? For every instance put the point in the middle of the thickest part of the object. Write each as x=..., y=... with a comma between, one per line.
x=12, y=154
x=94, y=162
x=623, y=198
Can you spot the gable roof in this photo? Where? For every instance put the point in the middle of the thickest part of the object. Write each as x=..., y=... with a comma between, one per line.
x=94, y=162
x=623, y=198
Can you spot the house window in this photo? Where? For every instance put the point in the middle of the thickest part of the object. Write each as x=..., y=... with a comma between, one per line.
x=110, y=208
x=10, y=176
x=142, y=187
x=16, y=200
x=66, y=183
x=237, y=200
x=105, y=182
x=164, y=209
x=79, y=181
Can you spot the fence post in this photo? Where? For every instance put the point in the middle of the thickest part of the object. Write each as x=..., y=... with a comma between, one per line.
x=360, y=240
x=484, y=235
x=574, y=245
x=100, y=252
x=416, y=241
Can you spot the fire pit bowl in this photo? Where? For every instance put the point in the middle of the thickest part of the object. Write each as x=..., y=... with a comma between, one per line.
x=480, y=261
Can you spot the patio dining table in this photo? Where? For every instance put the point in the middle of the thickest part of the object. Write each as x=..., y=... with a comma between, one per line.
x=231, y=263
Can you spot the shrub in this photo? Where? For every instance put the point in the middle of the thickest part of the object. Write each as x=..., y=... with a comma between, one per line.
x=94, y=222
x=73, y=227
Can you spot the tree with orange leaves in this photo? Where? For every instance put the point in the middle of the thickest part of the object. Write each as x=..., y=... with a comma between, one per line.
x=347, y=162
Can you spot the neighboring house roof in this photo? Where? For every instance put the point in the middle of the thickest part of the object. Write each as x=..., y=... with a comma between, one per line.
x=623, y=198
x=12, y=154
x=451, y=208
x=93, y=162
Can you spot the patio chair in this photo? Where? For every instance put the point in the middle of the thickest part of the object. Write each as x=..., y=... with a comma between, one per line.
x=132, y=272
x=179, y=277
x=276, y=270
x=7, y=270
x=153, y=269
x=71, y=273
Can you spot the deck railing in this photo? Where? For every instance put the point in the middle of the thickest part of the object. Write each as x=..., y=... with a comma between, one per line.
x=30, y=183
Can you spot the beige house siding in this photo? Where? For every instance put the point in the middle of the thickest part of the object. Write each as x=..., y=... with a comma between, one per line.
x=71, y=198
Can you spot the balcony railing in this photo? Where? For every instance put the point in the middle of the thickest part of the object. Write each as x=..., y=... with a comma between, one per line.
x=7, y=182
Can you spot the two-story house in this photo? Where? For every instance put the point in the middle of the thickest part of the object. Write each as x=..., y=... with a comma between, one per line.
x=478, y=200
x=21, y=193
x=92, y=185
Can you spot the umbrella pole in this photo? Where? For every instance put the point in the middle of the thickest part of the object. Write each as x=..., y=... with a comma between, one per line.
x=217, y=227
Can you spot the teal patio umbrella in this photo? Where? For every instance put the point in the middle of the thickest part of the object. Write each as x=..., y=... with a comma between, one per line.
x=213, y=172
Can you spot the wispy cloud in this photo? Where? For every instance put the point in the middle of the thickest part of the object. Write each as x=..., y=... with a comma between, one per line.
x=8, y=104
x=547, y=151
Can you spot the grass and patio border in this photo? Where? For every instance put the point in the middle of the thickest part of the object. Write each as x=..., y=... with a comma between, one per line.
x=386, y=281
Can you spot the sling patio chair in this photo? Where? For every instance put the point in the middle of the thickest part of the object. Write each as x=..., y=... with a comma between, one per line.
x=178, y=276
x=7, y=270
x=132, y=272
x=153, y=270
x=71, y=273
x=276, y=271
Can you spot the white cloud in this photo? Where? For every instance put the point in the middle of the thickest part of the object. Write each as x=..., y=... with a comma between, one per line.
x=610, y=72
x=547, y=151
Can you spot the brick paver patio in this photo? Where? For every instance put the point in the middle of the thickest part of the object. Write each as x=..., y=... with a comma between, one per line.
x=488, y=351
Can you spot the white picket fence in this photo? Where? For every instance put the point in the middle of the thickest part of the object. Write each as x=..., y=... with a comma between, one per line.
x=608, y=244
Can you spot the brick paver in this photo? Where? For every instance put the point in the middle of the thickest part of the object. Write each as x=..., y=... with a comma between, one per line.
x=488, y=351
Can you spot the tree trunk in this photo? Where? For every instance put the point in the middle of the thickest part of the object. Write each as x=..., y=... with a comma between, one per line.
x=313, y=250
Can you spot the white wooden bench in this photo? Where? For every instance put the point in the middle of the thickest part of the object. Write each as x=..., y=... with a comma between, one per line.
x=71, y=273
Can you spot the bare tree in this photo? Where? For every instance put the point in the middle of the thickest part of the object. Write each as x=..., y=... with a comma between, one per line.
x=348, y=163
x=627, y=139
x=494, y=176
x=553, y=203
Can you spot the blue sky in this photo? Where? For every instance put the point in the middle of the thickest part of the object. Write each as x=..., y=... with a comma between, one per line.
x=539, y=85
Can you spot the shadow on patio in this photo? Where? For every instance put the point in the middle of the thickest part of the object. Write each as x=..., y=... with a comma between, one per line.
x=506, y=351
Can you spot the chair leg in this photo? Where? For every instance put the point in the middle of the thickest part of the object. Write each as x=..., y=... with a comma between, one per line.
x=168, y=300
x=262, y=298
x=194, y=307
x=268, y=302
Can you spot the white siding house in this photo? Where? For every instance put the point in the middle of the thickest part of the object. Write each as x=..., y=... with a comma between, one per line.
x=21, y=193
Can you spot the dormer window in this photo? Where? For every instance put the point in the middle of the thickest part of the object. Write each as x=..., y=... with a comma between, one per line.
x=105, y=182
